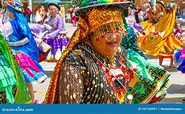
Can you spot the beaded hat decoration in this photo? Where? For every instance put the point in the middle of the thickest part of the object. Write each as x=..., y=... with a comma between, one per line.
x=86, y=5
x=15, y=4
x=101, y=13
x=103, y=19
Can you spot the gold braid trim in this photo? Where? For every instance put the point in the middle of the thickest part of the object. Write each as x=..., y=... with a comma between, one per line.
x=79, y=35
x=156, y=89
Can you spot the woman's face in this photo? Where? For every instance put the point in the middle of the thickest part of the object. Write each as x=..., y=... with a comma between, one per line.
x=52, y=11
x=107, y=43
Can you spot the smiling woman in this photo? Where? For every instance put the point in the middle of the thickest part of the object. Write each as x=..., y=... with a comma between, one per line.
x=94, y=67
x=93, y=46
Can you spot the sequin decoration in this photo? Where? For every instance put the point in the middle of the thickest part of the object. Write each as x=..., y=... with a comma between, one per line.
x=99, y=19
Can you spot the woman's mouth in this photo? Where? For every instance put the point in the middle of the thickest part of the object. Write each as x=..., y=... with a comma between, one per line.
x=111, y=43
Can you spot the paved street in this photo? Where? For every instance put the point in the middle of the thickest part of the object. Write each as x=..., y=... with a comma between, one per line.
x=175, y=92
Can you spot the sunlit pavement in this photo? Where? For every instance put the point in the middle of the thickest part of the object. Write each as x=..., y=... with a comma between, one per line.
x=175, y=92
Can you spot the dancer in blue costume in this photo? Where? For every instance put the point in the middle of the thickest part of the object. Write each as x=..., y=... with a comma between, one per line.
x=24, y=46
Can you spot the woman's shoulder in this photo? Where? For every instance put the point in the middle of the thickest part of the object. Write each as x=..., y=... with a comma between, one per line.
x=75, y=56
x=75, y=51
x=81, y=49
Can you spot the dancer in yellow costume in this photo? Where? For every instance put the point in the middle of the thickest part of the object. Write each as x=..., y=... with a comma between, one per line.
x=154, y=17
x=161, y=41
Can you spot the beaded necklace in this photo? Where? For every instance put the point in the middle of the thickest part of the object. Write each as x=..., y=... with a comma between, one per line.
x=117, y=77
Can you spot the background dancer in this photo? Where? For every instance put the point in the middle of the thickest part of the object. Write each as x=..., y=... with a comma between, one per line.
x=13, y=86
x=160, y=41
x=55, y=35
x=18, y=33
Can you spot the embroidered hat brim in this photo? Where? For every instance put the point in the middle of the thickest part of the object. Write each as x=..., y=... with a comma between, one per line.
x=121, y=5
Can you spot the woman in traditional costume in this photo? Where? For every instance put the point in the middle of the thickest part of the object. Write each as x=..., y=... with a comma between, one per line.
x=94, y=67
x=43, y=47
x=56, y=37
x=24, y=47
x=153, y=16
x=160, y=41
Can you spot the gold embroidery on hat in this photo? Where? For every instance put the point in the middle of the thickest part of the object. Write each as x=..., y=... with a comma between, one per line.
x=104, y=17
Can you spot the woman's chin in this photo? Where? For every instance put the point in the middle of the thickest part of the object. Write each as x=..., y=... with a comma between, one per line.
x=110, y=53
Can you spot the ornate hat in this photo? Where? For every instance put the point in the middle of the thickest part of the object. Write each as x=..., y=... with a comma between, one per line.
x=86, y=5
x=15, y=4
x=54, y=4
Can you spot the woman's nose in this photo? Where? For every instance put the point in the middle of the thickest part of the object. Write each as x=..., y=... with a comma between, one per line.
x=110, y=36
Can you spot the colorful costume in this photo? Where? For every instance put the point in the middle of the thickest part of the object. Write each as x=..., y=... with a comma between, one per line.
x=153, y=17
x=180, y=55
x=129, y=40
x=51, y=47
x=84, y=75
x=24, y=47
x=147, y=74
x=131, y=21
x=58, y=40
x=160, y=41
x=43, y=47
x=12, y=84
